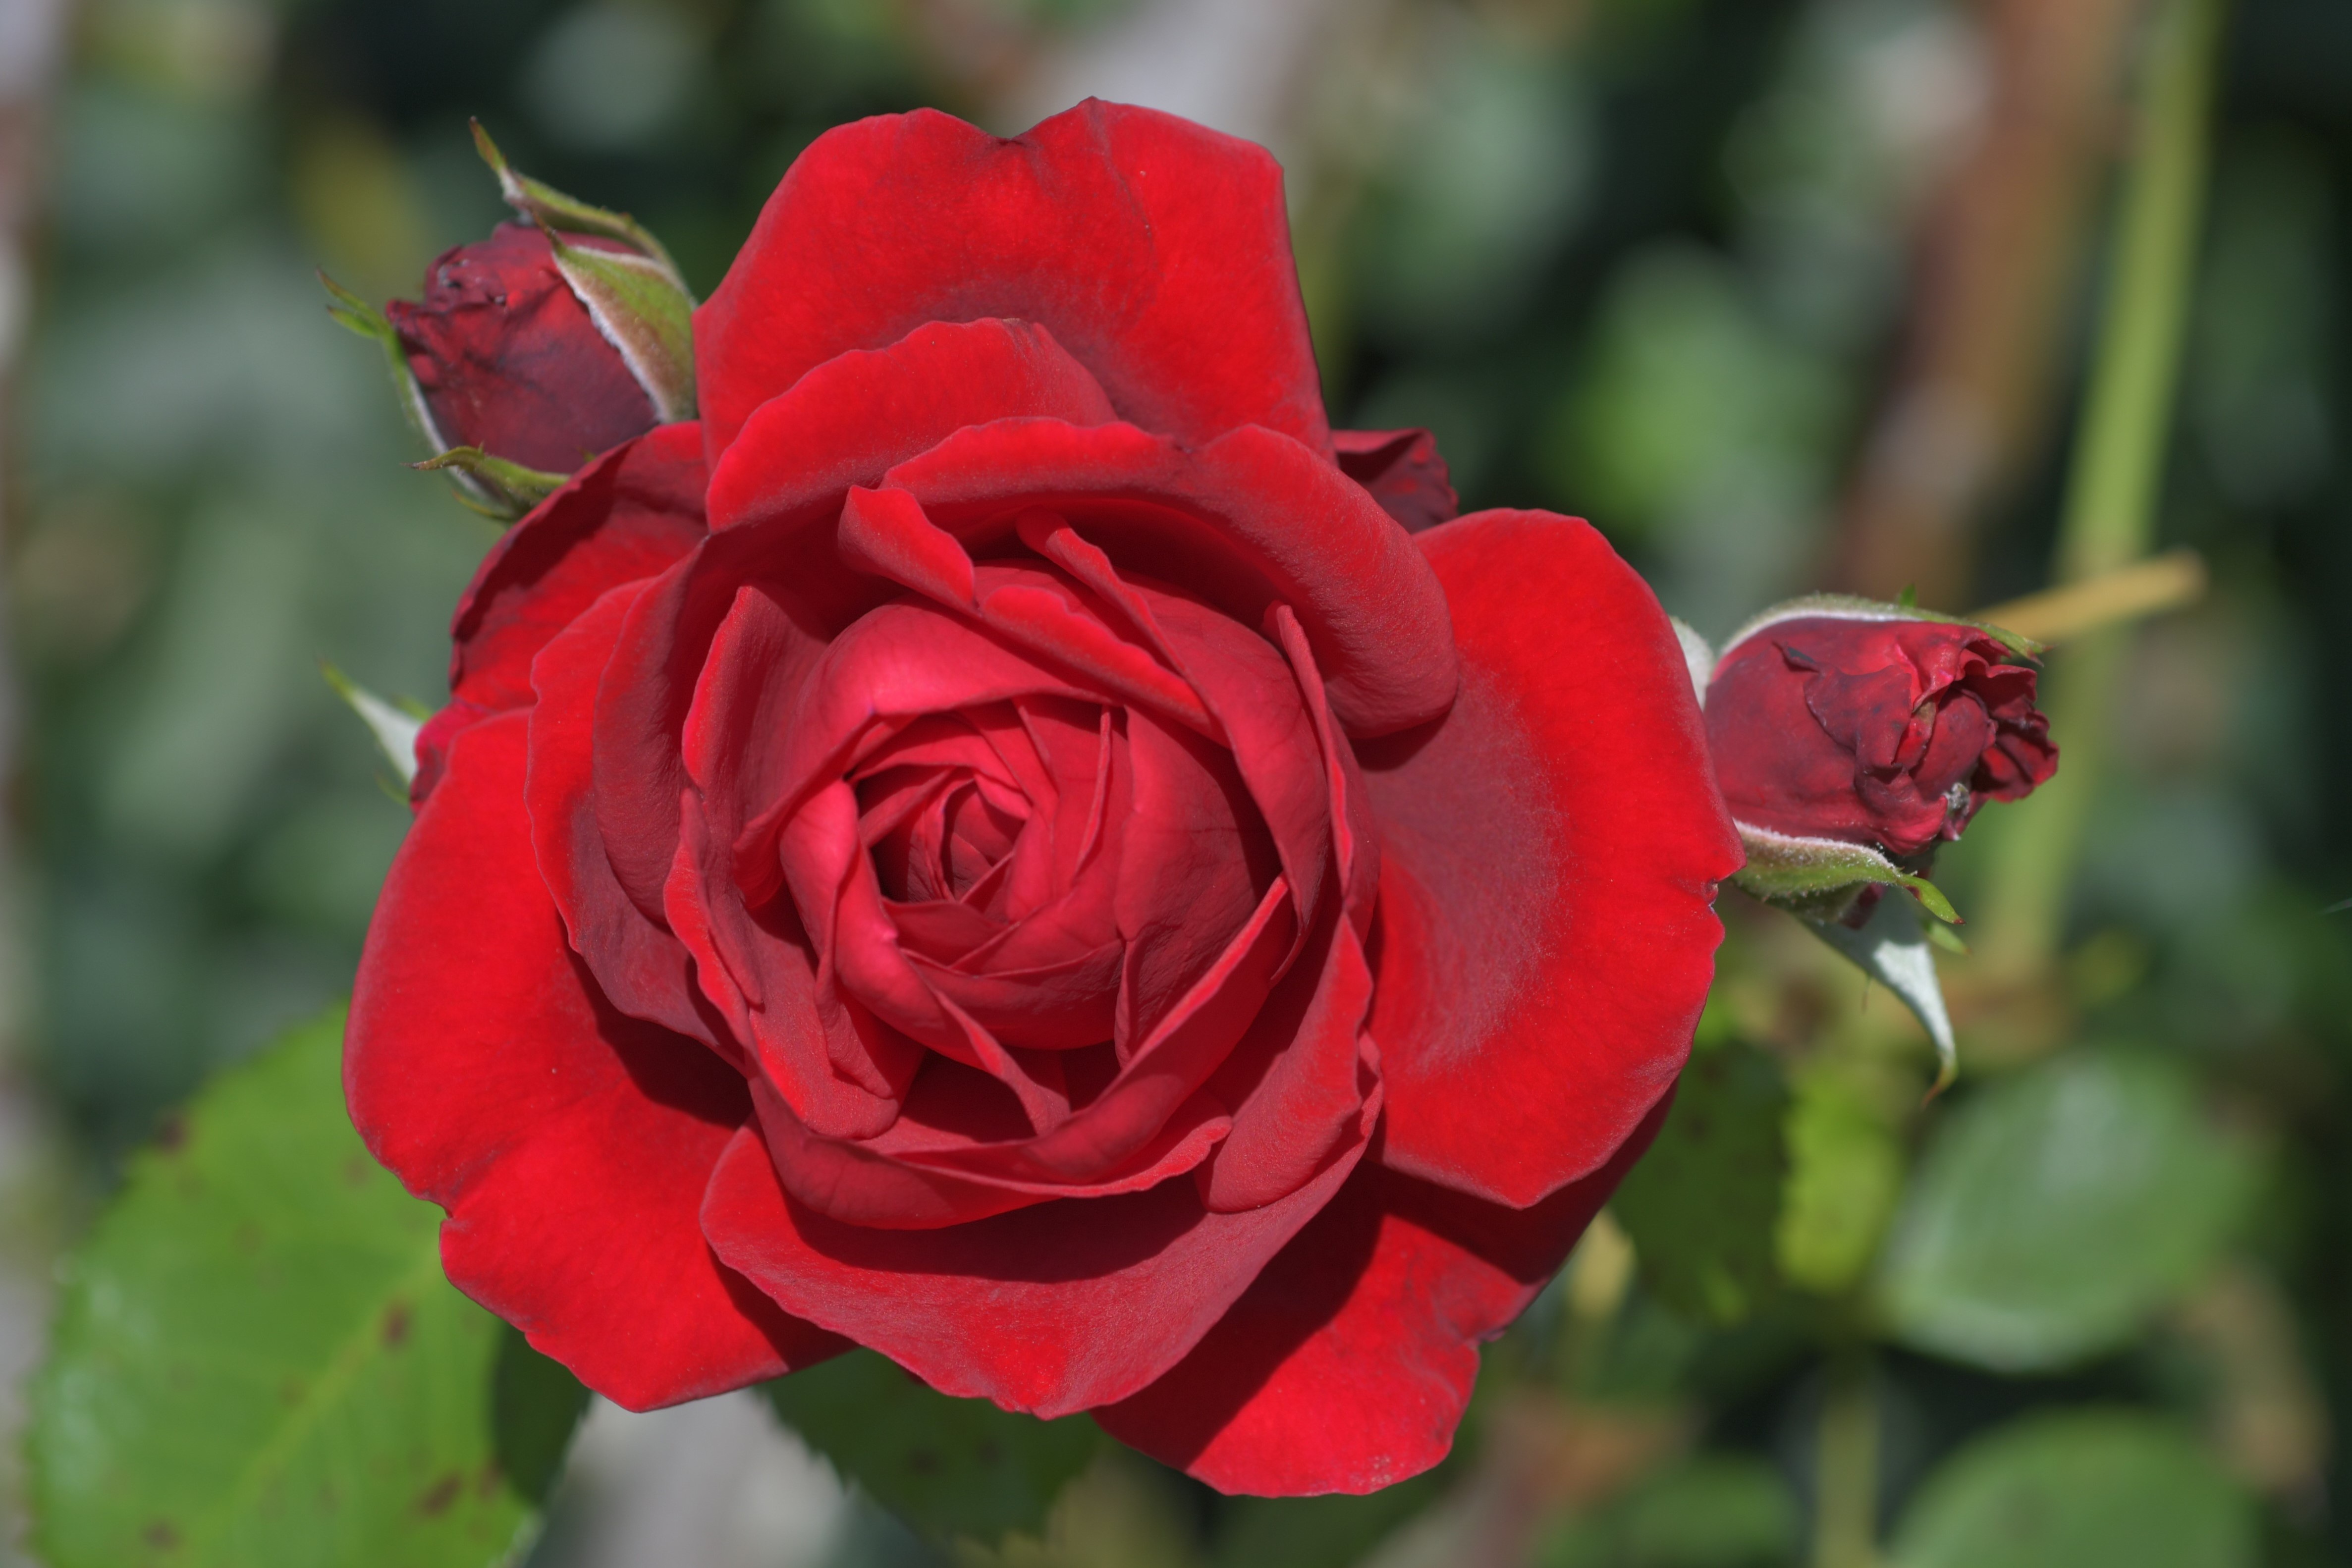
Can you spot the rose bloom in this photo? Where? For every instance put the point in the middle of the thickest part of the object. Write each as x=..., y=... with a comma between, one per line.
x=1872, y=726
x=508, y=358
x=994, y=847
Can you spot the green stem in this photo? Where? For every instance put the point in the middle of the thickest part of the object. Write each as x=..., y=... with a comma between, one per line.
x=2113, y=489
x=1846, y=1479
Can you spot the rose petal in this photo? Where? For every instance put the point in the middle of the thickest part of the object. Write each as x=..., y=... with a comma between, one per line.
x=628, y=515
x=1348, y=1365
x=571, y=1145
x=1549, y=852
x=851, y=417
x=639, y=964
x=1050, y=1309
x=1248, y=519
x=1404, y=472
x=1155, y=250
x=912, y=1178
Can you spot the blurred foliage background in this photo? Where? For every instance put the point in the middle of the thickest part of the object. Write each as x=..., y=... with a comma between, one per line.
x=1783, y=293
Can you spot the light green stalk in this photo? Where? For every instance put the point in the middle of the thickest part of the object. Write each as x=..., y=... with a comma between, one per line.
x=2113, y=489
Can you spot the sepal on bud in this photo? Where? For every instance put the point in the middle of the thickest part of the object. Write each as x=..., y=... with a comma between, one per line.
x=1853, y=607
x=492, y=485
x=394, y=728
x=350, y=310
x=1892, y=947
x=550, y=208
x=638, y=305
x=636, y=297
x=1822, y=879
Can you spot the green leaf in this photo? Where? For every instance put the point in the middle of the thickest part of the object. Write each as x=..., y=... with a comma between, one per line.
x=2083, y=1489
x=2053, y=1213
x=1818, y=878
x=949, y=1467
x=1316, y=1531
x=1702, y=1204
x=1715, y=1510
x=1845, y=1170
x=258, y=1362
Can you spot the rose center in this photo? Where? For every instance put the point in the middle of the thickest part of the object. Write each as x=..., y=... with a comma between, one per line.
x=952, y=830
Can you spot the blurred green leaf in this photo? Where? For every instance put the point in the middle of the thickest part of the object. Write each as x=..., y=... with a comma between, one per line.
x=950, y=1467
x=1702, y=1204
x=2085, y=1488
x=258, y=1360
x=2053, y=1213
x=1845, y=1169
x=1317, y=1532
x=1718, y=1510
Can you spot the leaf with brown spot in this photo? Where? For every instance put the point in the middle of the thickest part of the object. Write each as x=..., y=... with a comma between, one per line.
x=257, y=1362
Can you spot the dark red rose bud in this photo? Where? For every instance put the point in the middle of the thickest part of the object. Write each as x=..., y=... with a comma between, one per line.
x=508, y=358
x=1870, y=727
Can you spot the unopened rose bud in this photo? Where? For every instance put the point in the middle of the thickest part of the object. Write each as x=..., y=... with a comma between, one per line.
x=1849, y=738
x=554, y=340
x=1872, y=725
x=508, y=358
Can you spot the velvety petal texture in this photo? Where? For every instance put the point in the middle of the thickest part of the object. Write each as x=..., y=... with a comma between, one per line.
x=1551, y=848
x=1155, y=250
x=571, y=1145
x=1012, y=845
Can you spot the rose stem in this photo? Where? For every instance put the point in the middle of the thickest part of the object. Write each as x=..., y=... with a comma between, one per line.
x=2113, y=487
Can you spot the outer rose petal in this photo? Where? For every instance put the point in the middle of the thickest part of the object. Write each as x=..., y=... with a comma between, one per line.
x=1348, y=1365
x=1051, y=1310
x=629, y=514
x=1402, y=470
x=1155, y=250
x=571, y=1145
x=1550, y=854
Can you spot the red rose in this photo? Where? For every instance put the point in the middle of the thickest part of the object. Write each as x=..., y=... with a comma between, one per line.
x=508, y=358
x=1052, y=883
x=1872, y=726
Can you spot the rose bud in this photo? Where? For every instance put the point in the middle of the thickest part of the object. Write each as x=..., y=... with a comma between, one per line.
x=1872, y=726
x=507, y=358
x=994, y=845
x=539, y=348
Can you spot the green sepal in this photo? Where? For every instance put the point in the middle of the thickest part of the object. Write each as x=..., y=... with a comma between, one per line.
x=1821, y=878
x=1893, y=947
x=1850, y=607
x=356, y=314
x=550, y=208
x=643, y=311
x=394, y=729
x=504, y=490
